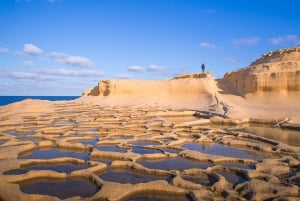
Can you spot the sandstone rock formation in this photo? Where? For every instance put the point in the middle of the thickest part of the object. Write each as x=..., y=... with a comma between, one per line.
x=268, y=88
x=277, y=72
x=178, y=85
x=184, y=91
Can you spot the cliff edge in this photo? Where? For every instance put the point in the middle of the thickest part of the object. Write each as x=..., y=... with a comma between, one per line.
x=275, y=72
x=268, y=88
x=193, y=90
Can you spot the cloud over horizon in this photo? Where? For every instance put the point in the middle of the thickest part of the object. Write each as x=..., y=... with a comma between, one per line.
x=64, y=58
x=78, y=61
x=52, y=74
x=58, y=54
x=31, y=49
x=135, y=68
x=72, y=73
x=245, y=41
x=22, y=75
x=294, y=39
x=156, y=68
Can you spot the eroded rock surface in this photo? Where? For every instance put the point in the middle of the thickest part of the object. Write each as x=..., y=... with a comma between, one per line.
x=275, y=72
x=92, y=142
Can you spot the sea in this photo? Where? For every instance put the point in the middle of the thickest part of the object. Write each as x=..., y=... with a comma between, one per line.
x=4, y=100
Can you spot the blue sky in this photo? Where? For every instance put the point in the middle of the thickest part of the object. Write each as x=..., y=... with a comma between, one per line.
x=61, y=47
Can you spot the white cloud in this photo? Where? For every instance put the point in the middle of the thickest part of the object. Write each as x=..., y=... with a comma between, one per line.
x=78, y=61
x=53, y=74
x=59, y=57
x=276, y=41
x=294, y=39
x=155, y=68
x=124, y=76
x=207, y=45
x=64, y=58
x=72, y=73
x=58, y=54
x=23, y=75
x=135, y=68
x=28, y=63
x=32, y=76
x=31, y=49
x=3, y=50
x=246, y=41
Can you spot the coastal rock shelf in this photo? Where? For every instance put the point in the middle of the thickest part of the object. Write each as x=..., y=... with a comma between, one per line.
x=58, y=149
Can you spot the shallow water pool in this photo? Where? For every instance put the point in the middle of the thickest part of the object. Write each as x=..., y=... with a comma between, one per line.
x=232, y=178
x=59, y=188
x=54, y=153
x=145, y=143
x=62, y=168
x=290, y=137
x=85, y=141
x=175, y=164
x=141, y=150
x=113, y=148
x=221, y=150
x=129, y=176
x=158, y=197
x=170, y=150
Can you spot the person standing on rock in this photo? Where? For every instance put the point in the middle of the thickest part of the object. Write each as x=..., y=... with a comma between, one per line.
x=203, y=68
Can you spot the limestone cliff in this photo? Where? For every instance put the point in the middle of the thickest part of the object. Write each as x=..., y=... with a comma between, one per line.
x=269, y=88
x=185, y=90
x=191, y=84
x=277, y=71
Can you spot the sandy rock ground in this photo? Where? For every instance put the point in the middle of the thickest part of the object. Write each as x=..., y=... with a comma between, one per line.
x=134, y=153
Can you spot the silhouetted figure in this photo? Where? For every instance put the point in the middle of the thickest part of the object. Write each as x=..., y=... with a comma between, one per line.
x=203, y=68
